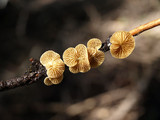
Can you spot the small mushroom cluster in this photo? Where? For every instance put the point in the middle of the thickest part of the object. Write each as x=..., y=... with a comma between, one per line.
x=82, y=58
x=77, y=59
x=96, y=57
x=54, y=66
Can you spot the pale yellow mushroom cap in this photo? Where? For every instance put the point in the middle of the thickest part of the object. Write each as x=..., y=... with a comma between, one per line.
x=96, y=57
x=70, y=57
x=47, y=81
x=77, y=59
x=48, y=57
x=81, y=51
x=74, y=69
x=94, y=43
x=122, y=44
x=56, y=80
x=56, y=70
x=82, y=67
x=50, y=81
x=79, y=56
x=54, y=66
x=83, y=62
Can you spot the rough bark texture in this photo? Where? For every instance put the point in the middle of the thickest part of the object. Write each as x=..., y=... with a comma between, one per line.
x=35, y=72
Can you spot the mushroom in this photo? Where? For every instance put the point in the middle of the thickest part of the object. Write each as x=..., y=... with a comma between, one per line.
x=74, y=69
x=83, y=66
x=77, y=59
x=56, y=69
x=96, y=57
x=70, y=57
x=47, y=81
x=94, y=43
x=56, y=80
x=122, y=44
x=49, y=56
x=50, y=81
x=54, y=66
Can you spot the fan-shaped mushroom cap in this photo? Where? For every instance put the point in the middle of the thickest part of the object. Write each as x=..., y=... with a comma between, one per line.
x=48, y=57
x=74, y=69
x=50, y=81
x=47, y=81
x=83, y=62
x=56, y=69
x=122, y=44
x=77, y=59
x=82, y=66
x=94, y=43
x=81, y=52
x=81, y=59
x=70, y=57
x=56, y=80
x=96, y=57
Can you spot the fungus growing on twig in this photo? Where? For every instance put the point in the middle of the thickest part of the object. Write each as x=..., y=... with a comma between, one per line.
x=96, y=57
x=122, y=44
x=118, y=50
x=54, y=66
x=77, y=59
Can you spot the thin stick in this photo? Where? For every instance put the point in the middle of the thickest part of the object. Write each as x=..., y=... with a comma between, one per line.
x=37, y=71
x=145, y=27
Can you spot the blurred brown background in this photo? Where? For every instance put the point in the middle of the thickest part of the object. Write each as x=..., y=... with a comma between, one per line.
x=118, y=90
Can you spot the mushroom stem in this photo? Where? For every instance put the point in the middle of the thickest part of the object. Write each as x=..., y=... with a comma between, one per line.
x=145, y=27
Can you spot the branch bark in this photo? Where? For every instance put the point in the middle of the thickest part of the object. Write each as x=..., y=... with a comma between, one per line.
x=35, y=72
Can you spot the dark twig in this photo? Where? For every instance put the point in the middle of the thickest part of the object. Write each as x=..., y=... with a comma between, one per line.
x=33, y=74
x=105, y=46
